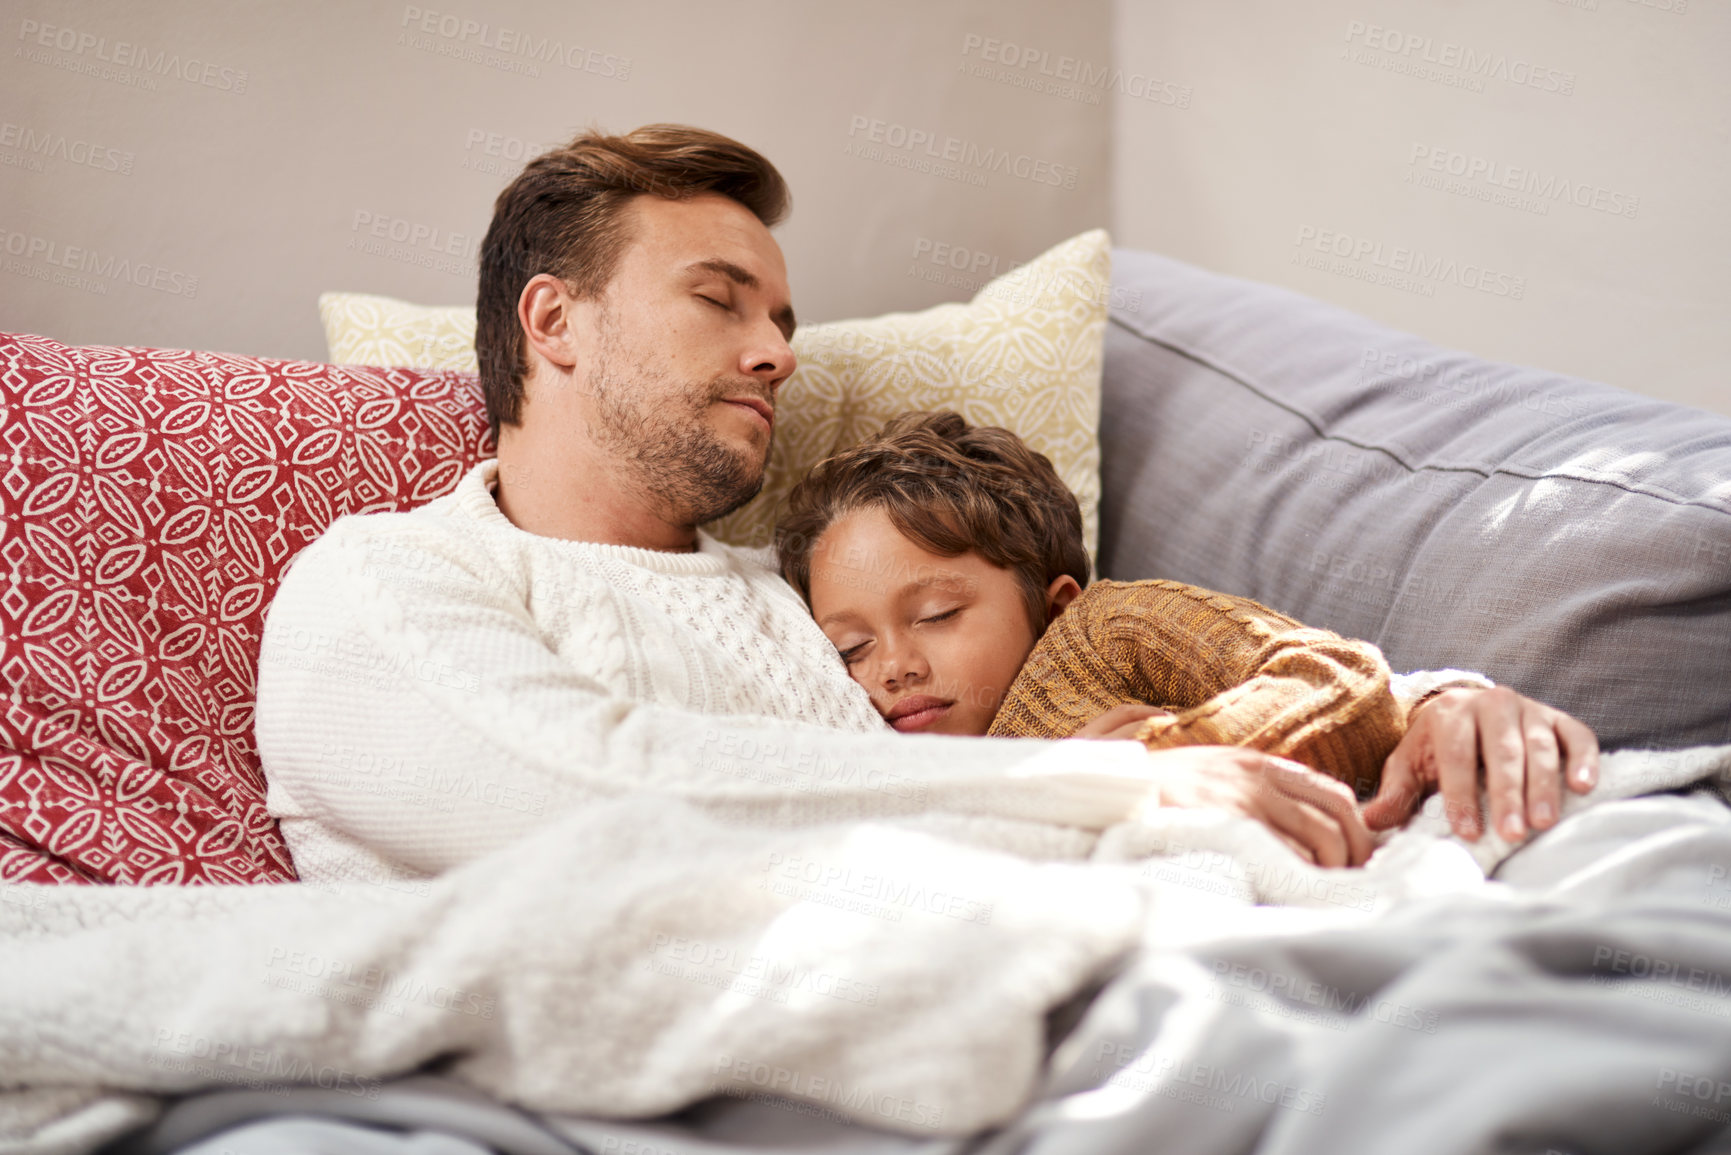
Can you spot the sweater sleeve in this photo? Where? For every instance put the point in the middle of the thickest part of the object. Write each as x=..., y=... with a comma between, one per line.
x=1234, y=672
x=411, y=712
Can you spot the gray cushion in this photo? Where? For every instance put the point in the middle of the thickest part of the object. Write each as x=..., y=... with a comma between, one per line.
x=1567, y=538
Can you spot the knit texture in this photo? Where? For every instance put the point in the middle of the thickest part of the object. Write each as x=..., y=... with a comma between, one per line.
x=435, y=685
x=620, y=961
x=1234, y=672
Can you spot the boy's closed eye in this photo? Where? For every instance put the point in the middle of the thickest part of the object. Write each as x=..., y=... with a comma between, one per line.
x=857, y=650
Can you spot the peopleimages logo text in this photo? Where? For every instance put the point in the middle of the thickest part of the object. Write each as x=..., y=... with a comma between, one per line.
x=512, y=42
x=59, y=146
x=105, y=265
x=124, y=54
x=1067, y=76
x=1541, y=186
x=1412, y=262
x=963, y=152
x=1470, y=61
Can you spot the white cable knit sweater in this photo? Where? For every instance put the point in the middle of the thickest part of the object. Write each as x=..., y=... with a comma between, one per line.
x=434, y=685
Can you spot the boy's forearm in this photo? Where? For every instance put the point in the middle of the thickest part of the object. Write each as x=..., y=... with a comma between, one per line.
x=1233, y=671
x=1317, y=699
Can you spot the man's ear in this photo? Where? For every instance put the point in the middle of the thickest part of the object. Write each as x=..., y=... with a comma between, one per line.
x=1060, y=594
x=545, y=311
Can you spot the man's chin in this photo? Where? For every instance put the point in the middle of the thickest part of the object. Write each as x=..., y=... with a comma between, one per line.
x=753, y=461
x=724, y=491
x=735, y=499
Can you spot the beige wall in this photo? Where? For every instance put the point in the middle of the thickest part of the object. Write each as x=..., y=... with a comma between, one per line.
x=1319, y=123
x=237, y=159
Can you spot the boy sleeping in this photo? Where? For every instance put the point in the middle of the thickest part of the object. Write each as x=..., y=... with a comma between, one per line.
x=946, y=564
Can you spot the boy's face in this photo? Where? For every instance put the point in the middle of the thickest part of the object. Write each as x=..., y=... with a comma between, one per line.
x=936, y=641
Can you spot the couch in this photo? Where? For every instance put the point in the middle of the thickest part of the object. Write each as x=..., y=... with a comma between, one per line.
x=1567, y=538
x=1562, y=536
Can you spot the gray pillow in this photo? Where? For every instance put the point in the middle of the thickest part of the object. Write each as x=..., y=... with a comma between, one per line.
x=1567, y=538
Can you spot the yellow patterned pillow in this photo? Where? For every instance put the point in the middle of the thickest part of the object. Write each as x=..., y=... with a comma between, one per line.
x=1023, y=354
x=364, y=330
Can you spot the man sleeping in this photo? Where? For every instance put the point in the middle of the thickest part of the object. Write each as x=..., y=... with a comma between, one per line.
x=558, y=630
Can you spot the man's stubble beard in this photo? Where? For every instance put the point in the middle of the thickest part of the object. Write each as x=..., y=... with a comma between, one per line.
x=662, y=439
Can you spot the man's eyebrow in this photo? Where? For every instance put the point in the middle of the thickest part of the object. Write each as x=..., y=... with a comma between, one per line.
x=783, y=317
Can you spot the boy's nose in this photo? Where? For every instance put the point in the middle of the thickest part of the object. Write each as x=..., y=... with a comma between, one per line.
x=902, y=667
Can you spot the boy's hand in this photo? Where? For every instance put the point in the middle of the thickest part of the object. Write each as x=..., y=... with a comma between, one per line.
x=1527, y=749
x=1121, y=721
x=1311, y=812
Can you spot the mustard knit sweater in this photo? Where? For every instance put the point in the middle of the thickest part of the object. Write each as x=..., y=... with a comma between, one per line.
x=1234, y=672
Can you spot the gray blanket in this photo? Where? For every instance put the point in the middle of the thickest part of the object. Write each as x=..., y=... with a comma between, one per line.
x=1580, y=1003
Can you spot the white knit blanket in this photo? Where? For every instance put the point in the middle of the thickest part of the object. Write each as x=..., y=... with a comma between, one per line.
x=637, y=957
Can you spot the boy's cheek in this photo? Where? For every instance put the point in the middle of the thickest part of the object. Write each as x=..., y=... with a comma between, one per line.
x=858, y=674
x=976, y=698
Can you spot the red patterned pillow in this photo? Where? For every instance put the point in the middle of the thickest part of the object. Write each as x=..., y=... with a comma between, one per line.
x=149, y=501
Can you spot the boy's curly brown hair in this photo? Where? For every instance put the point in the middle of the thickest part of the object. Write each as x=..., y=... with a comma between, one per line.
x=949, y=487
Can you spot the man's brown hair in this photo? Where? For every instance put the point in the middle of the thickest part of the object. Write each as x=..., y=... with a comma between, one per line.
x=949, y=487
x=564, y=215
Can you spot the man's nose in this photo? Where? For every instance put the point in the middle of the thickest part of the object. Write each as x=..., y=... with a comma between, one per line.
x=769, y=358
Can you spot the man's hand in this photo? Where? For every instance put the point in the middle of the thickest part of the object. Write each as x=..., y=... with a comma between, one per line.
x=1527, y=749
x=1311, y=812
x=1121, y=721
